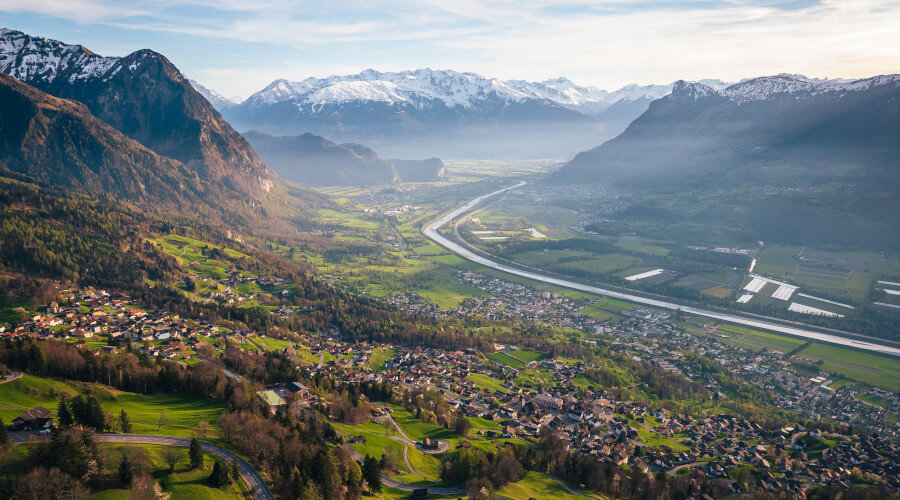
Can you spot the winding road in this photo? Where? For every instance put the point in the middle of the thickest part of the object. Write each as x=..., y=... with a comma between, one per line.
x=248, y=473
x=432, y=231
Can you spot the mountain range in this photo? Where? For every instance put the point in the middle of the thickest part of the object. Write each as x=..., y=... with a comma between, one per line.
x=425, y=111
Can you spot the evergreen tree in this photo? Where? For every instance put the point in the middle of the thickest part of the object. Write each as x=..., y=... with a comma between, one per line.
x=235, y=470
x=219, y=476
x=4, y=435
x=326, y=473
x=196, y=454
x=354, y=480
x=64, y=414
x=95, y=417
x=126, y=471
x=371, y=471
x=125, y=422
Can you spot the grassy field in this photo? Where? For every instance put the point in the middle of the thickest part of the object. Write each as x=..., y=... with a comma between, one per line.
x=526, y=356
x=271, y=344
x=379, y=357
x=537, y=485
x=756, y=340
x=815, y=446
x=485, y=382
x=183, y=413
x=869, y=368
x=506, y=359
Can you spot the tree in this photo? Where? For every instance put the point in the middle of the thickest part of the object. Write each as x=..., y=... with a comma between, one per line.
x=354, y=480
x=235, y=470
x=462, y=426
x=219, y=476
x=43, y=483
x=125, y=422
x=4, y=435
x=126, y=471
x=203, y=430
x=196, y=454
x=170, y=456
x=371, y=471
x=64, y=414
x=163, y=420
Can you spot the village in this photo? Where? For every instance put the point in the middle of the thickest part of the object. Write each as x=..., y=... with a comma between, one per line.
x=527, y=393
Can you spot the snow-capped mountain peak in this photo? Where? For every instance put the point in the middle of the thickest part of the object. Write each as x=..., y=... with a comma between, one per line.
x=422, y=88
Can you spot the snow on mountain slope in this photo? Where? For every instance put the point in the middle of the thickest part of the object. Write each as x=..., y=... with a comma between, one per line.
x=27, y=57
x=422, y=87
x=417, y=88
x=218, y=101
x=797, y=86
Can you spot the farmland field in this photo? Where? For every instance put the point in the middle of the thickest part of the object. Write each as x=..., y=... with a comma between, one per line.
x=874, y=369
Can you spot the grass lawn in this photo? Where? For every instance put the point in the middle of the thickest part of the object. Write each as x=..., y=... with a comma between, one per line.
x=183, y=413
x=536, y=485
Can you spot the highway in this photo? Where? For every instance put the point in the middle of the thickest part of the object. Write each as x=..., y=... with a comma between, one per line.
x=432, y=231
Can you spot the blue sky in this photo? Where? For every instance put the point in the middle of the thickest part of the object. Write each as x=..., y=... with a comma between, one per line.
x=238, y=46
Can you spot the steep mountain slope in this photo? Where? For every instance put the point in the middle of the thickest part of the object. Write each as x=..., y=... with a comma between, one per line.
x=764, y=129
x=315, y=161
x=60, y=143
x=792, y=159
x=145, y=97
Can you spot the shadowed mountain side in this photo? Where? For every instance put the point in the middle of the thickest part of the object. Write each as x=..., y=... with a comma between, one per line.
x=59, y=142
x=315, y=161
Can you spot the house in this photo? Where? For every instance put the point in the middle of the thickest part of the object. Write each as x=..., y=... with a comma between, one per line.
x=35, y=418
x=296, y=388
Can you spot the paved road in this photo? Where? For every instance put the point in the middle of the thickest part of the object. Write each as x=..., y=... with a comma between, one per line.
x=431, y=231
x=248, y=473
